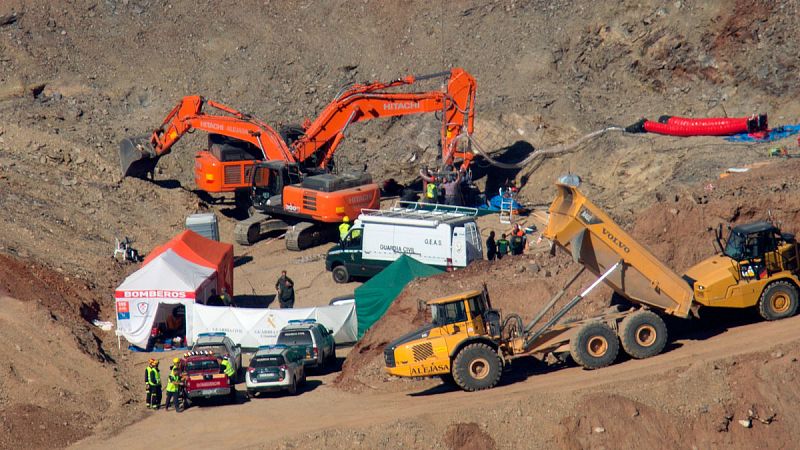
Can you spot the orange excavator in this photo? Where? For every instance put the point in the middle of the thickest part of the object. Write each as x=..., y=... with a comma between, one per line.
x=274, y=172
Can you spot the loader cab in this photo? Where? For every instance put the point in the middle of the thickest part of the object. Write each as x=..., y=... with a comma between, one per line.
x=466, y=312
x=269, y=179
x=760, y=250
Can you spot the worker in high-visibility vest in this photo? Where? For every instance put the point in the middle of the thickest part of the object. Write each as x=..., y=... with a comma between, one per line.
x=153, y=379
x=227, y=368
x=173, y=385
x=430, y=190
x=344, y=228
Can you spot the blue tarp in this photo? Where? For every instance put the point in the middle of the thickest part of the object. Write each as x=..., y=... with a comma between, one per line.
x=496, y=201
x=774, y=134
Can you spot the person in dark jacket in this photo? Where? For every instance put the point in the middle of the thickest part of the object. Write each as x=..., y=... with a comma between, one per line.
x=285, y=288
x=491, y=247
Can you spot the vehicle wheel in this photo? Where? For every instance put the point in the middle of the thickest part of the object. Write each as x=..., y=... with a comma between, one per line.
x=447, y=378
x=643, y=334
x=476, y=367
x=332, y=357
x=293, y=388
x=595, y=345
x=778, y=301
x=340, y=274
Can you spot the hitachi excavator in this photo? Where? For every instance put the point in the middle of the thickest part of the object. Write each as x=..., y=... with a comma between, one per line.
x=274, y=172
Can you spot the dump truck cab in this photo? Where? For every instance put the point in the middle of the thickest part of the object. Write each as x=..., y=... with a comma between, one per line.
x=758, y=265
x=458, y=322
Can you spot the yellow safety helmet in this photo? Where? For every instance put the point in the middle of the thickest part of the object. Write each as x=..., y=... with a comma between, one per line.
x=345, y=219
x=176, y=360
x=153, y=362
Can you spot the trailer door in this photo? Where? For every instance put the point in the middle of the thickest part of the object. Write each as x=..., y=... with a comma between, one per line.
x=474, y=245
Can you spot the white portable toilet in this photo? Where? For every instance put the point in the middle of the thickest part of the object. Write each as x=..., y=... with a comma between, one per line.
x=204, y=224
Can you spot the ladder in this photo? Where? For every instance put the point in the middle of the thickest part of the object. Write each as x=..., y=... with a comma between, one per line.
x=506, y=206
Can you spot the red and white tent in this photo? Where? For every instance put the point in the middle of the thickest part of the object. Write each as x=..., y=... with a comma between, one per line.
x=166, y=279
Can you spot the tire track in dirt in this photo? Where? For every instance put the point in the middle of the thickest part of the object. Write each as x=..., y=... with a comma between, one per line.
x=257, y=422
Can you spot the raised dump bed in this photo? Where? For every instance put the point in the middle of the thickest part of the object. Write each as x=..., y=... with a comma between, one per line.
x=597, y=242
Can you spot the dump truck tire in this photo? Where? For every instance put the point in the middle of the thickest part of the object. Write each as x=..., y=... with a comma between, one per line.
x=340, y=274
x=595, y=345
x=778, y=301
x=643, y=334
x=476, y=367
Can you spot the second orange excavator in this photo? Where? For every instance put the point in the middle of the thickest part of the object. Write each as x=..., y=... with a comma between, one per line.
x=285, y=176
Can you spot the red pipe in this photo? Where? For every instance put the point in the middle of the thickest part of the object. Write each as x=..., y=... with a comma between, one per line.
x=715, y=126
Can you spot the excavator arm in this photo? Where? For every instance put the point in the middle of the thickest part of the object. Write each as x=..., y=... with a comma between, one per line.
x=139, y=155
x=360, y=103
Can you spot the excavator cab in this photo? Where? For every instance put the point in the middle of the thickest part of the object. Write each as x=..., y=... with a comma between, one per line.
x=269, y=179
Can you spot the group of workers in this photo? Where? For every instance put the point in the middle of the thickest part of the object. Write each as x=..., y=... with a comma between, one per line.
x=513, y=244
x=441, y=189
x=175, y=380
x=152, y=377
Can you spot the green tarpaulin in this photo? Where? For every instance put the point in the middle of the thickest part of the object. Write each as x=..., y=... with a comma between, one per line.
x=374, y=297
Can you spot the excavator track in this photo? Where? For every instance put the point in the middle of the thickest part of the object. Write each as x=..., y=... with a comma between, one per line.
x=304, y=235
x=252, y=229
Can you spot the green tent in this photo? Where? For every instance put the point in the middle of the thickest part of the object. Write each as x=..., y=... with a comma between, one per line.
x=374, y=297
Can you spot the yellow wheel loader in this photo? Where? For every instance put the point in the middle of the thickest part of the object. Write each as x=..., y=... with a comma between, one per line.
x=468, y=342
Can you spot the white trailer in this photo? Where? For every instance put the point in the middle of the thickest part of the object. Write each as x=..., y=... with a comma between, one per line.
x=437, y=235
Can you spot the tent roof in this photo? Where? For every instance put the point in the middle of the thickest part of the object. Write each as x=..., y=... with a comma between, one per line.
x=374, y=297
x=168, y=271
x=195, y=248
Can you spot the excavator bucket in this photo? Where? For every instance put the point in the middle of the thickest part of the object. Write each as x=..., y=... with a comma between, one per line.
x=137, y=158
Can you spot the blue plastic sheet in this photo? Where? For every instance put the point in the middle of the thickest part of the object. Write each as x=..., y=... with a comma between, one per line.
x=774, y=134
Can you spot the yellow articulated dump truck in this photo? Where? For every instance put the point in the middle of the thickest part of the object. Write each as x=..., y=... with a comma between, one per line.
x=468, y=342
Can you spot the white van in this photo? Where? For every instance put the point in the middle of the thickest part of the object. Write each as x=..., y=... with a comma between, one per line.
x=442, y=236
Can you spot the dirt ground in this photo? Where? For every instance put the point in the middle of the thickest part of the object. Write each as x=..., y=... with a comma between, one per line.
x=77, y=77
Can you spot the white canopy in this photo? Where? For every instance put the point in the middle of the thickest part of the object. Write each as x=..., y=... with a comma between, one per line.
x=252, y=327
x=166, y=279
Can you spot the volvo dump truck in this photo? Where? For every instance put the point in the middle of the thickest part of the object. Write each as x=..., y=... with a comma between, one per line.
x=468, y=342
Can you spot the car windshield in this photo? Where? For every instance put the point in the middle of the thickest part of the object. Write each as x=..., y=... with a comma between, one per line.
x=202, y=365
x=298, y=337
x=447, y=313
x=217, y=349
x=267, y=361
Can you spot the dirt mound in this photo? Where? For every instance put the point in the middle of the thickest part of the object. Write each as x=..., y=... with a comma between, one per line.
x=468, y=436
x=679, y=228
x=520, y=284
x=760, y=412
x=58, y=383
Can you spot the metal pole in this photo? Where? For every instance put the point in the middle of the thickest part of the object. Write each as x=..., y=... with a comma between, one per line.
x=570, y=305
x=553, y=300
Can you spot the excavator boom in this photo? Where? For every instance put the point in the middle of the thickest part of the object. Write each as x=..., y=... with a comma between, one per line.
x=371, y=101
x=139, y=155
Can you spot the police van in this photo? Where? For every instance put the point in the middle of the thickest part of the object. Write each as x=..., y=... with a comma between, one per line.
x=441, y=236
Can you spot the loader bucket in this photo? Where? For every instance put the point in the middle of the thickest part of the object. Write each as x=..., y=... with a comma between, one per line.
x=137, y=158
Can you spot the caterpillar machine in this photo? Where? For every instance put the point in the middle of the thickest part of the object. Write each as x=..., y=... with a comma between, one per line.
x=286, y=179
x=468, y=343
